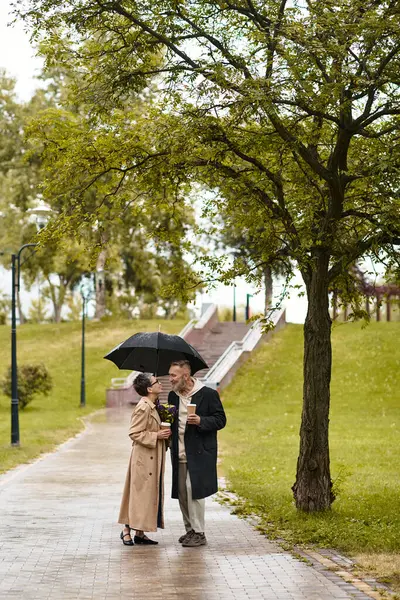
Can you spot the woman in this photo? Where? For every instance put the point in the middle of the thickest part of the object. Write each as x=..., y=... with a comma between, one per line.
x=143, y=497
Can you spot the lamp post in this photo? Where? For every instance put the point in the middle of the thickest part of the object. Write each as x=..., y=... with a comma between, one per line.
x=248, y=296
x=85, y=295
x=15, y=286
x=41, y=213
x=234, y=302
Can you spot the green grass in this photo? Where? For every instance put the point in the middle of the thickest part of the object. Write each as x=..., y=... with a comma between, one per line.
x=260, y=444
x=50, y=420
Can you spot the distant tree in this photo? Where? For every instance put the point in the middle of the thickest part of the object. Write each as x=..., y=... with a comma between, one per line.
x=37, y=311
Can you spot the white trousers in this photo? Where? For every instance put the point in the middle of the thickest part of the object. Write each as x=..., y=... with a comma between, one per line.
x=192, y=510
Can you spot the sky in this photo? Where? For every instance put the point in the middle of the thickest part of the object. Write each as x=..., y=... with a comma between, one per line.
x=17, y=56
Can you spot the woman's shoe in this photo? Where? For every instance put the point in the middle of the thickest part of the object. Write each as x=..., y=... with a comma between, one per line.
x=126, y=542
x=143, y=540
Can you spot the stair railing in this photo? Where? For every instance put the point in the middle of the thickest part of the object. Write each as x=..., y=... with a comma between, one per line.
x=235, y=350
x=205, y=317
x=188, y=327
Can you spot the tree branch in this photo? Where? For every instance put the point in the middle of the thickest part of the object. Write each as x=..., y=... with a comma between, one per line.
x=237, y=63
x=359, y=249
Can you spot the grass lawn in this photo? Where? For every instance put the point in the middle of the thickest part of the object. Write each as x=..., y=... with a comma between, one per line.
x=50, y=420
x=259, y=447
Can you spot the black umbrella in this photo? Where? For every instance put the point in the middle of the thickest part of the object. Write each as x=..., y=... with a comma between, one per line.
x=154, y=352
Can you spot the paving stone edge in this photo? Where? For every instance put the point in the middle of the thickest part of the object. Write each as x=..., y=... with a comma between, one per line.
x=330, y=559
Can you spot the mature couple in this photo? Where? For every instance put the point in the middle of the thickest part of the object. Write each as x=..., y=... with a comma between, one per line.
x=193, y=454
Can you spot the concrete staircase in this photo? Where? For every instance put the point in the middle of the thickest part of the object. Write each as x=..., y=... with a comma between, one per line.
x=211, y=342
x=217, y=340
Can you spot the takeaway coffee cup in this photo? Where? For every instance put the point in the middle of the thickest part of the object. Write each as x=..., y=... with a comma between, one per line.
x=165, y=425
x=191, y=409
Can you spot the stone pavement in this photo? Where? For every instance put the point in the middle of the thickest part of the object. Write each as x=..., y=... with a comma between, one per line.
x=59, y=538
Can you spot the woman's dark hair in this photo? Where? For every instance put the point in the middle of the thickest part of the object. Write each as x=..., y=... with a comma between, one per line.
x=141, y=383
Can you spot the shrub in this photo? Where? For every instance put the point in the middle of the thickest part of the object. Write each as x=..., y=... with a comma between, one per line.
x=32, y=380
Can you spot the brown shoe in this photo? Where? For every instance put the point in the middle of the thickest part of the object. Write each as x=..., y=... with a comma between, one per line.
x=186, y=536
x=196, y=539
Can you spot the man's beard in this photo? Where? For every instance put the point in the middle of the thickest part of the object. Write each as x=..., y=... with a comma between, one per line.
x=179, y=386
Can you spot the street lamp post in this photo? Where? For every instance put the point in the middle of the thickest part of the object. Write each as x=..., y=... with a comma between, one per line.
x=85, y=295
x=15, y=283
x=234, y=303
x=41, y=213
x=248, y=296
x=83, y=390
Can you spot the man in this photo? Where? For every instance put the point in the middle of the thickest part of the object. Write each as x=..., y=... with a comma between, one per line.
x=194, y=448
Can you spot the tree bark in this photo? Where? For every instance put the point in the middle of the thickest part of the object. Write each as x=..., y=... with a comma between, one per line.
x=22, y=319
x=268, y=284
x=100, y=309
x=57, y=302
x=313, y=487
x=378, y=308
x=335, y=303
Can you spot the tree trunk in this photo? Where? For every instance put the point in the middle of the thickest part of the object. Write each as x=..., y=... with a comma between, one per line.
x=313, y=487
x=268, y=284
x=378, y=308
x=335, y=303
x=58, y=302
x=100, y=310
x=21, y=315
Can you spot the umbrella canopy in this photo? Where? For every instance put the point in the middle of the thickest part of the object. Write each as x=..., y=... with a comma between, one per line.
x=154, y=352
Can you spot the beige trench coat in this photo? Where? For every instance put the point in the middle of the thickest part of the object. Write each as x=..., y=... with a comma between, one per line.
x=142, y=491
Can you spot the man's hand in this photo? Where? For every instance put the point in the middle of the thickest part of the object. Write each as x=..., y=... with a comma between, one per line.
x=193, y=420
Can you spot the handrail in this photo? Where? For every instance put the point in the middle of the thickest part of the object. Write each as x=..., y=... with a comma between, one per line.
x=232, y=354
x=188, y=327
x=206, y=316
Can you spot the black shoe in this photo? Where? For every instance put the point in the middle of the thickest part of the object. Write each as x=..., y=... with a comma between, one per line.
x=196, y=539
x=143, y=540
x=185, y=536
x=126, y=542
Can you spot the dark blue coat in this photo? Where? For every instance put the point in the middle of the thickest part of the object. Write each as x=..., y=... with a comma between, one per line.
x=200, y=443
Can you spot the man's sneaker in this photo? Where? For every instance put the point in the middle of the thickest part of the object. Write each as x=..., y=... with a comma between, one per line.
x=196, y=539
x=186, y=536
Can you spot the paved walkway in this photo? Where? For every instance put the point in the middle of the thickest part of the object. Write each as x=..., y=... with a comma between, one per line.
x=59, y=538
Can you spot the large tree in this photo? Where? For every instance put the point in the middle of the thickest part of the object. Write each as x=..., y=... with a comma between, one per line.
x=289, y=112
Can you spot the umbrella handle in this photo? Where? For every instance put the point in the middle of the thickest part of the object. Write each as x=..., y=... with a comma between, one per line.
x=158, y=360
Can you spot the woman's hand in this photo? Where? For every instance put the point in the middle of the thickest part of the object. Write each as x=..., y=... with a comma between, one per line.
x=164, y=434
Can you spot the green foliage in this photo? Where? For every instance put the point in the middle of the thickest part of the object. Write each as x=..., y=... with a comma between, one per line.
x=5, y=307
x=33, y=380
x=288, y=115
x=119, y=241
x=260, y=445
x=225, y=313
x=74, y=303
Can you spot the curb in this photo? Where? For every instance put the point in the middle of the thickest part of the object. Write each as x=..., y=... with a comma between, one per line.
x=335, y=562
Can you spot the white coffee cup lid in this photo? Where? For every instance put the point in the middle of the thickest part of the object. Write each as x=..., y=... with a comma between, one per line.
x=166, y=424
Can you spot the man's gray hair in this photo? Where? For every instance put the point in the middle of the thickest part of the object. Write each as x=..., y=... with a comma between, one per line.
x=182, y=364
